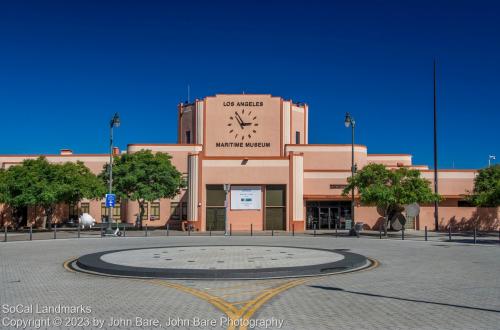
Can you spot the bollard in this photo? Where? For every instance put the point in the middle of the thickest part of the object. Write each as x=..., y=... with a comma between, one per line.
x=5, y=239
x=380, y=232
x=210, y=231
x=101, y=232
x=498, y=235
x=314, y=233
x=474, y=234
x=426, y=233
x=403, y=233
x=168, y=229
x=293, y=229
x=146, y=231
x=336, y=232
x=189, y=229
x=55, y=231
x=230, y=229
x=251, y=229
x=449, y=233
x=78, y=230
x=31, y=232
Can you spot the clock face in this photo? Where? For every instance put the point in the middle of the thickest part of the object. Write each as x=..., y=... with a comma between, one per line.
x=242, y=124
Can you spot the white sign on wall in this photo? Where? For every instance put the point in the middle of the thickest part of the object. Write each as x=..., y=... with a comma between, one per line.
x=246, y=198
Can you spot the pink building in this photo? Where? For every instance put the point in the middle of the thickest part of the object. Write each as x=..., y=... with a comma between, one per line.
x=259, y=145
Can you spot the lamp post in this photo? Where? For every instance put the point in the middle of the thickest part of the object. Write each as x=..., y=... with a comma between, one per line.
x=227, y=187
x=114, y=122
x=350, y=122
x=490, y=158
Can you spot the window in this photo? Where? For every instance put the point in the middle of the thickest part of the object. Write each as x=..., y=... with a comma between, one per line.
x=73, y=211
x=215, y=212
x=145, y=215
x=297, y=137
x=117, y=212
x=188, y=137
x=275, y=207
x=104, y=210
x=84, y=208
x=175, y=211
x=155, y=211
x=464, y=203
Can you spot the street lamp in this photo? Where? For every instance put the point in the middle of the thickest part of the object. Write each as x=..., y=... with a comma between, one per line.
x=490, y=158
x=114, y=122
x=350, y=122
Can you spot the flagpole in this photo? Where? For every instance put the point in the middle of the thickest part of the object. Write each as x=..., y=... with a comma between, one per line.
x=436, y=203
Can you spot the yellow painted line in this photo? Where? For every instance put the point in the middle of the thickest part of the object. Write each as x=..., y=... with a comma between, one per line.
x=67, y=262
x=251, y=306
x=249, y=309
x=216, y=301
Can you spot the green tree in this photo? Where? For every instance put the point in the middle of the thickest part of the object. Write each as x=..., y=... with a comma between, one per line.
x=32, y=183
x=36, y=182
x=78, y=182
x=144, y=177
x=487, y=187
x=390, y=190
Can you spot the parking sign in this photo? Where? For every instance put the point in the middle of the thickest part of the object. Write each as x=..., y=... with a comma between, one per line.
x=110, y=200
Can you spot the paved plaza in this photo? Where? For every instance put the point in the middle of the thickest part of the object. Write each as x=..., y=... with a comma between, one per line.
x=413, y=285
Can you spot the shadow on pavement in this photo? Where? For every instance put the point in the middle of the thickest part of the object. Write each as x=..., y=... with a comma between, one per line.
x=331, y=288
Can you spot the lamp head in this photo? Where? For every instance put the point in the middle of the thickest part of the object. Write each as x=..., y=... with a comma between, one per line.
x=348, y=119
x=115, y=122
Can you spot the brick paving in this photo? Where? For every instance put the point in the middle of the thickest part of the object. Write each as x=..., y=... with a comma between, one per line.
x=418, y=285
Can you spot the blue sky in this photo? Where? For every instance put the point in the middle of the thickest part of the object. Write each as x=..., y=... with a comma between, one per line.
x=67, y=66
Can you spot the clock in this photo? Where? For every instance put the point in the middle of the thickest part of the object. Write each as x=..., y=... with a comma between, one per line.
x=242, y=124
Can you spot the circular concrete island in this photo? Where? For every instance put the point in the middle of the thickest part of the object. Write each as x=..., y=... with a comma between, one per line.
x=220, y=262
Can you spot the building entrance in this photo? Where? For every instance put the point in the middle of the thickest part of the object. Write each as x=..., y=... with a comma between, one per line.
x=215, y=211
x=327, y=214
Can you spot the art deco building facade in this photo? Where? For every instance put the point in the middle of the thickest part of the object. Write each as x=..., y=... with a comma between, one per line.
x=259, y=145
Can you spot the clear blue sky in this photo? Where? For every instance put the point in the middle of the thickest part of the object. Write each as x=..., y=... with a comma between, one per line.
x=67, y=66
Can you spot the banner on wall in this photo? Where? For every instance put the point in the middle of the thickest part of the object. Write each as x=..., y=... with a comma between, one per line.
x=246, y=198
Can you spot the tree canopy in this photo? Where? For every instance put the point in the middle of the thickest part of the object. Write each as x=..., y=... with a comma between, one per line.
x=390, y=189
x=487, y=187
x=144, y=177
x=36, y=182
x=77, y=182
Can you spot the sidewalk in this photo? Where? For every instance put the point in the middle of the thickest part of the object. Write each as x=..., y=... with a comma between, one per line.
x=414, y=235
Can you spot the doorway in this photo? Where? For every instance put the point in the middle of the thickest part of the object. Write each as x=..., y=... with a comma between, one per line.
x=327, y=214
x=215, y=210
x=328, y=217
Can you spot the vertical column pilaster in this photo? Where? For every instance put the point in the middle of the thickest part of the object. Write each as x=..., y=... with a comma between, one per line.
x=298, y=186
x=193, y=197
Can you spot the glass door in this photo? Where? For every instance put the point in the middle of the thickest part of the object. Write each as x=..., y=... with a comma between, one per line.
x=334, y=217
x=324, y=218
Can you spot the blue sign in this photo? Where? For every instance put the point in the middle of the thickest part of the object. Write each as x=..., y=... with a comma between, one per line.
x=110, y=200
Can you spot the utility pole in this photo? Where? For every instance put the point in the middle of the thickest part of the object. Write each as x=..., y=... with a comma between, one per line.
x=436, y=203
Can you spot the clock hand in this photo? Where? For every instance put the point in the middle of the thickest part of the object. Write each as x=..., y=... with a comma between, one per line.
x=238, y=118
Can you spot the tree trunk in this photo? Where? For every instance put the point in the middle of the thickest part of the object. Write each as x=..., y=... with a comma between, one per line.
x=48, y=213
x=386, y=220
x=141, y=213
